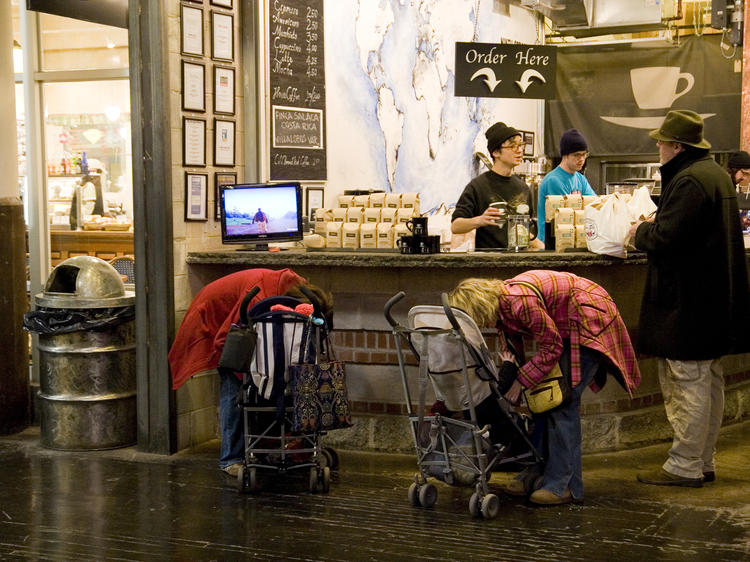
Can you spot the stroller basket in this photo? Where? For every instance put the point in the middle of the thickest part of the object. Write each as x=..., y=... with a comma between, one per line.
x=453, y=356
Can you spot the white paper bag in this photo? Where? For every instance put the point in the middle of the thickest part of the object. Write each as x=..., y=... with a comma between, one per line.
x=641, y=206
x=607, y=223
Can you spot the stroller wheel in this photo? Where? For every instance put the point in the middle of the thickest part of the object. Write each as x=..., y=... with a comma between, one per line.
x=325, y=479
x=414, y=495
x=331, y=458
x=490, y=506
x=314, y=480
x=252, y=481
x=428, y=495
x=241, y=480
x=474, y=505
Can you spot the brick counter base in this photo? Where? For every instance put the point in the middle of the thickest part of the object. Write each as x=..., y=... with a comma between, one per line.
x=606, y=425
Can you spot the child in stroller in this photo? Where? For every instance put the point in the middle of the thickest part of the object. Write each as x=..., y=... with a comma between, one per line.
x=477, y=430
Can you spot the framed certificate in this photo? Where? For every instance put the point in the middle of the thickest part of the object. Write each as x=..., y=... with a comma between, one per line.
x=191, y=30
x=222, y=36
x=314, y=200
x=193, y=142
x=196, y=196
x=221, y=178
x=224, y=90
x=223, y=142
x=528, y=143
x=193, y=86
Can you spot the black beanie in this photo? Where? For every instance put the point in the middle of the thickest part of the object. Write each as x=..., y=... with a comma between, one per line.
x=739, y=160
x=572, y=141
x=498, y=134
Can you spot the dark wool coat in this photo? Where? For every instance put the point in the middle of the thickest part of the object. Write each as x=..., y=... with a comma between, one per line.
x=696, y=303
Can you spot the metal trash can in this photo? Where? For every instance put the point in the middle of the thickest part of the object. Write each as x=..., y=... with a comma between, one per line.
x=87, y=391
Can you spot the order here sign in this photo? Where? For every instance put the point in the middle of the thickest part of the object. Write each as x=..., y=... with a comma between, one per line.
x=494, y=70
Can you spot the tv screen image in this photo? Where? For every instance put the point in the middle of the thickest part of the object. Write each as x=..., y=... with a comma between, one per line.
x=261, y=213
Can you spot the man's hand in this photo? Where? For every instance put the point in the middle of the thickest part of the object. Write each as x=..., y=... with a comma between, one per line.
x=490, y=217
x=633, y=228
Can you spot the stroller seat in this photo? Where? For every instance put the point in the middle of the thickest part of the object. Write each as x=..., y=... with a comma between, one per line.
x=455, y=447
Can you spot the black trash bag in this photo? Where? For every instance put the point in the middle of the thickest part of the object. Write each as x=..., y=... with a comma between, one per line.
x=65, y=320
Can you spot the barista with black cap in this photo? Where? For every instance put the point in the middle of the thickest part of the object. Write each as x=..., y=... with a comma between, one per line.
x=497, y=186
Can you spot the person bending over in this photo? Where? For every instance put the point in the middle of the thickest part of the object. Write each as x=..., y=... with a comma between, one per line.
x=574, y=322
x=200, y=340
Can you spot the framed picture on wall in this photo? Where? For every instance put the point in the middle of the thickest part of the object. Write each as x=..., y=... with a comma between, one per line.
x=193, y=142
x=224, y=90
x=191, y=30
x=313, y=200
x=193, y=86
x=222, y=36
x=528, y=143
x=221, y=178
x=223, y=142
x=196, y=196
x=222, y=3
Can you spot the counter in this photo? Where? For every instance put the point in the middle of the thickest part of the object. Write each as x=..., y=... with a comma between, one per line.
x=102, y=244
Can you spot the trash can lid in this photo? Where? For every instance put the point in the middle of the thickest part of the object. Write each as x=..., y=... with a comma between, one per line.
x=84, y=282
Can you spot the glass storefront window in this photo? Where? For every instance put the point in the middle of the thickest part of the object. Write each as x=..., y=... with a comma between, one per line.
x=68, y=44
x=21, y=132
x=17, y=54
x=89, y=161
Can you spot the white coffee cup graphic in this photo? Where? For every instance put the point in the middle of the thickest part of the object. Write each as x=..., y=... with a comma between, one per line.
x=655, y=87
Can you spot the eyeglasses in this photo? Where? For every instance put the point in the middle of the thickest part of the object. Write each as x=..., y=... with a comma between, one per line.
x=582, y=154
x=513, y=145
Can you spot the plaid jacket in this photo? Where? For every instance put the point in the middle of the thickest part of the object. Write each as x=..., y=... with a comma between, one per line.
x=573, y=308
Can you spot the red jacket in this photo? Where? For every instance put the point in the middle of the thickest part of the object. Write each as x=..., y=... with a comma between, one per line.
x=200, y=338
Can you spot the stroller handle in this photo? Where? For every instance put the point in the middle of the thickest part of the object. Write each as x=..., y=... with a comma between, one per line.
x=245, y=303
x=449, y=311
x=387, y=310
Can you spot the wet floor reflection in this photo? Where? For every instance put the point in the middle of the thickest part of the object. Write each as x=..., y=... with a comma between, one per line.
x=74, y=506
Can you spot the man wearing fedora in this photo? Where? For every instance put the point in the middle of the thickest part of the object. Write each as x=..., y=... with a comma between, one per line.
x=696, y=300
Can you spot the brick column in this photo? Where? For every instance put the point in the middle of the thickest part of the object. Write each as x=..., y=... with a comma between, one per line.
x=14, y=351
x=745, y=108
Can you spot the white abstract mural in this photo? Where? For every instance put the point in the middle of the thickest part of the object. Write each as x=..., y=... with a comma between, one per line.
x=393, y=121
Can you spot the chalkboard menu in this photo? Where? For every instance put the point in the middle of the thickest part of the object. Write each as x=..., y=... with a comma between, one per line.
x=297, y=90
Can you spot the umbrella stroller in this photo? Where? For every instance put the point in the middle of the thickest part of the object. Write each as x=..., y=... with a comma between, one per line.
x=283, y=337
x=453, y=355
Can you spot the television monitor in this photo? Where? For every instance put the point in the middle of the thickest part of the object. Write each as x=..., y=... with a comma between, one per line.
x=257, y=214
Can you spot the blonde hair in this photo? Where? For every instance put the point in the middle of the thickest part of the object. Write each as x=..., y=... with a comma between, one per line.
x=479, y=299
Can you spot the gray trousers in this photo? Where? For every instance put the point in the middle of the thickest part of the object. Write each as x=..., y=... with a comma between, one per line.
x=694, y=400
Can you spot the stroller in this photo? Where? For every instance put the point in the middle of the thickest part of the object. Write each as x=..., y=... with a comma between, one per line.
x=283, y=337
x=453, y=355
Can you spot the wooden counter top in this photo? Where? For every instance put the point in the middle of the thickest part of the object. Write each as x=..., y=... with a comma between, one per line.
x=360, y=259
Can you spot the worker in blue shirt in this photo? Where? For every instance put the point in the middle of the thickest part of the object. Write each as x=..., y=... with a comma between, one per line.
x=567, y=177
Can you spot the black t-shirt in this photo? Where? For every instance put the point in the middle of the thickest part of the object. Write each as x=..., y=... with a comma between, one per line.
x=488, y=188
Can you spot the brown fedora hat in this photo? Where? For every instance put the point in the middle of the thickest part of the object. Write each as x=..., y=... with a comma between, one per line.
x=683, y=126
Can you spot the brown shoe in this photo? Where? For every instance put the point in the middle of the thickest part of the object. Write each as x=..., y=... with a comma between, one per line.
x=663, y=478
x=233, y=469
x=515, y=488
x=545, y=497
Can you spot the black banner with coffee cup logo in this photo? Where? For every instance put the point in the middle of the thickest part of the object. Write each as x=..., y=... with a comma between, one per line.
x=615, y=95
